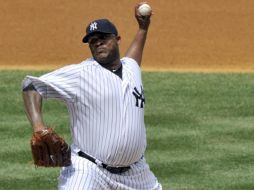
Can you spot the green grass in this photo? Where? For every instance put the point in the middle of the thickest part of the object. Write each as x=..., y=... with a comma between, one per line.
x=200, y=132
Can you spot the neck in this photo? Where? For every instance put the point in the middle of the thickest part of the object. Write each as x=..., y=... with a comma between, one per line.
x=112, y=66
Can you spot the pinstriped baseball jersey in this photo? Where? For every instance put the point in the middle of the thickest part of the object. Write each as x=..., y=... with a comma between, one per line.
x=106, y=112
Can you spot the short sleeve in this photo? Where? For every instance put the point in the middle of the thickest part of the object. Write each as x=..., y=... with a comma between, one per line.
x=60, y=84
x=131, y=64
x=130, y=61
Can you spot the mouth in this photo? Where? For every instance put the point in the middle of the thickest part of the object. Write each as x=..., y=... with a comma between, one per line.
x=99, y=51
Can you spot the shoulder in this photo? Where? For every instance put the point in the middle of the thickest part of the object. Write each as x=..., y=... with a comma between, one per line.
x=130, y=63
x=128, y=60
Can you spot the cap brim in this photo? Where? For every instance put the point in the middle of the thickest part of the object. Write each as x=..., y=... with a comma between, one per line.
x=86, y=38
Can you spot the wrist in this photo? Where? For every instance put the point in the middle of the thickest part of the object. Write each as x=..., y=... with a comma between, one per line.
x=143, y=30
x=38, y=127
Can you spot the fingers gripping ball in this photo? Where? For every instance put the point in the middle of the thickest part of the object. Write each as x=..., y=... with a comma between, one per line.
x=145, y=9
x=49, y=149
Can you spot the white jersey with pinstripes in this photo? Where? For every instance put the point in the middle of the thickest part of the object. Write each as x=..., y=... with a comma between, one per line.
x=106, y=112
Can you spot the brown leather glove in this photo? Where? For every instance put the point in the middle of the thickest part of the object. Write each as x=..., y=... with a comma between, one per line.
x=49, y=149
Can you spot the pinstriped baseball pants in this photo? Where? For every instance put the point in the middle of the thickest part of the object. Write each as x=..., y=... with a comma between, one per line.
x=85, y=175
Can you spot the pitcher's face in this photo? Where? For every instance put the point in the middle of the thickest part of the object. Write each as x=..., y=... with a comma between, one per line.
x=104, y=47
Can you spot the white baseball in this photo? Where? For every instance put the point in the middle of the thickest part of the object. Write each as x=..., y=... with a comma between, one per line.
x=145, y=9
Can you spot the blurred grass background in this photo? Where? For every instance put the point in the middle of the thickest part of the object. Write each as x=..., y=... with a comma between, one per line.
x=199, y=129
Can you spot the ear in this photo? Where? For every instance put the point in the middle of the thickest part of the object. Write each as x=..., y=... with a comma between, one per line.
x=118, y=38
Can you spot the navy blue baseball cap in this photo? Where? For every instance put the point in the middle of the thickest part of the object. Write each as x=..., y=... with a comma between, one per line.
x=100, y=26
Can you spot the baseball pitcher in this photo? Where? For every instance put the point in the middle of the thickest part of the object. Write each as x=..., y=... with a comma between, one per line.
x=105, y=98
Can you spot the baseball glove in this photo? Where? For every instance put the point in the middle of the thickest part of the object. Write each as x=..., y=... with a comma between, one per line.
x=49, y=149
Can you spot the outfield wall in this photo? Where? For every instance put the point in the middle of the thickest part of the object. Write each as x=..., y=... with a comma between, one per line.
x=184, y=34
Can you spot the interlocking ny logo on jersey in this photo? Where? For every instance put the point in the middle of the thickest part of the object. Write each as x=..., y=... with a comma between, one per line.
x=140, y=97
x=93, y=26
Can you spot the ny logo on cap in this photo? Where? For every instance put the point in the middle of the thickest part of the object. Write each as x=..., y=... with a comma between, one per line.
x=93, y=26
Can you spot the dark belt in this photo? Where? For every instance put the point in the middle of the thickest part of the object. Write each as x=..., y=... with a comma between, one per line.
x=114, y=170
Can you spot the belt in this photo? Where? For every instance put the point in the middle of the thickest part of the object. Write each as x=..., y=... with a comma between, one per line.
x=114, y=170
